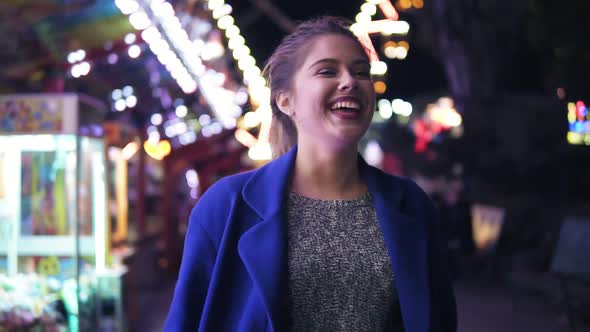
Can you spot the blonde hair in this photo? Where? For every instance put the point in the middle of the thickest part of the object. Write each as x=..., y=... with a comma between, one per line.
x=281, y=66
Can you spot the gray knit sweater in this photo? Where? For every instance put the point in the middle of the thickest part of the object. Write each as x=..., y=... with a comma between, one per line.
x=339, y=272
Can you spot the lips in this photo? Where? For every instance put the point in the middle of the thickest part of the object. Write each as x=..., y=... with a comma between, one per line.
x=346, y=103
x=346, y=108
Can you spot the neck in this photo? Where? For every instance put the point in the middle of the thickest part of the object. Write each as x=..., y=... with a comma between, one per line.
x=322, y=174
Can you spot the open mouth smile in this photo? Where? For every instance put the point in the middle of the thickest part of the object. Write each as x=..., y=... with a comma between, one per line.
x=346, y=104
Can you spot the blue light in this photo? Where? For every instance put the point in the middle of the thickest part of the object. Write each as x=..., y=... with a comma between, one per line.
x=581, y=127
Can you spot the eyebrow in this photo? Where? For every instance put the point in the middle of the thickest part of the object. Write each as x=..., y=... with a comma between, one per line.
x=332, y=61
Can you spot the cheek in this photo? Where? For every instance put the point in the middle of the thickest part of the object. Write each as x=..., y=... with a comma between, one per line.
x=313, y=97
x=371, y=95
x=368, y=87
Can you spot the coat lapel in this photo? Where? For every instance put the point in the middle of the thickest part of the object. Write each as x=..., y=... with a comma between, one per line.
x=405, y=239
x=263, y=248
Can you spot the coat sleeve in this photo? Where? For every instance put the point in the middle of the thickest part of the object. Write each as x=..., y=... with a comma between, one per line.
x=198, y=260
x=443, y=299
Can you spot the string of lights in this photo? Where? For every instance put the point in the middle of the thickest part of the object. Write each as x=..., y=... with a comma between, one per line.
x=182, y=56
x=259, y=147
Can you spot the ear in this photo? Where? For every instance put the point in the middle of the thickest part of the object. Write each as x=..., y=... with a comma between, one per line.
x=283, y=100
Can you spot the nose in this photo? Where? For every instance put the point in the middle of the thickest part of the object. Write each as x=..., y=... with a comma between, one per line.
x=348, y=81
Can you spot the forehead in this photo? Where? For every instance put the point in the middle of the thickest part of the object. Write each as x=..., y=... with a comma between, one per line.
x=334, y=46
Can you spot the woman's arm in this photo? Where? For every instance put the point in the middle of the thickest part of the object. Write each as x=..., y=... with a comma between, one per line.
x=198, y=259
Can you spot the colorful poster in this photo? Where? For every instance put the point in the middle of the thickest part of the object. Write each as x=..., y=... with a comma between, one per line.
x=43, y=194
x=61, y=267
x=31, y=115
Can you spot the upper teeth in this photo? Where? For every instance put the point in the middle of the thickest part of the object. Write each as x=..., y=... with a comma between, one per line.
x=346, y=104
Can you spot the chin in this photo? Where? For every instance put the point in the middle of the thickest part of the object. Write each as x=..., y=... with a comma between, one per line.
x=350, y=139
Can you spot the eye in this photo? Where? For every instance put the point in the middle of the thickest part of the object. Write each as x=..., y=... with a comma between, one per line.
x=326, y=72
x=363, y=73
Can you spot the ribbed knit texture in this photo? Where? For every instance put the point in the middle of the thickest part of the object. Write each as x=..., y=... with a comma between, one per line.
x=339, y=272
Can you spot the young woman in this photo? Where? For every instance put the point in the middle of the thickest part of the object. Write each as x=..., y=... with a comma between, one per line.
x=316, y=240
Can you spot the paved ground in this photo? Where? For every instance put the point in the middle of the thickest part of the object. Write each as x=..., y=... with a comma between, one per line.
x=483, y=305
x=147, y=309
x=482, y=308
x=494, y=308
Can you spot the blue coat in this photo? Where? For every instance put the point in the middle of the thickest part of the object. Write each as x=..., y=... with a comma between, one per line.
x=234, y=266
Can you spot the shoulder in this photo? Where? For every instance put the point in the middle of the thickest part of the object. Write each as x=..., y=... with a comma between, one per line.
x=234, y=184
x=225, y=187
x=417, y=201
x=394, y=182
x=414, y=192
x=215, y=206
x=412, y=199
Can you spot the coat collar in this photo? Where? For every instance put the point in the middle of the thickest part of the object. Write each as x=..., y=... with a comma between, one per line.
x=266, y=188
x=263, y=248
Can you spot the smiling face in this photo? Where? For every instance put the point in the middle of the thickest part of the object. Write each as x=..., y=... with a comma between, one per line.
x=331, y=99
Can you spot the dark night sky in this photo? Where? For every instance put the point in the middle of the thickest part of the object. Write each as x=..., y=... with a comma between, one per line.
x=523, y=70
x=418, y=73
